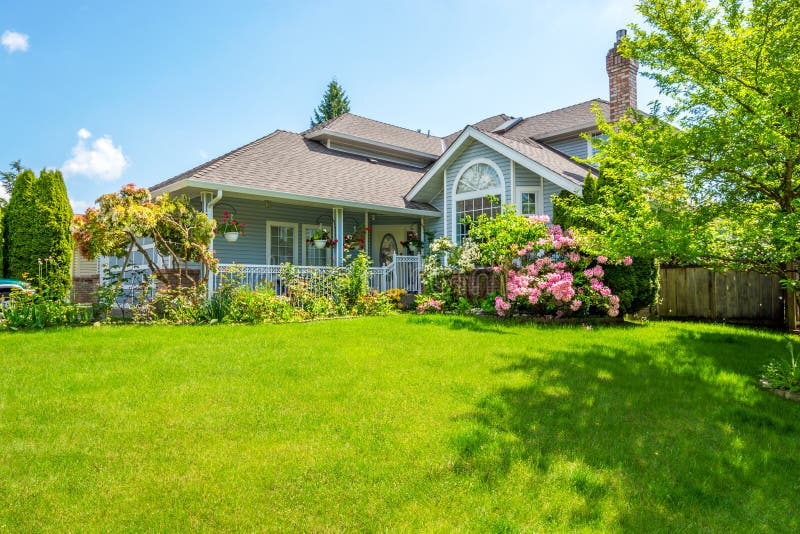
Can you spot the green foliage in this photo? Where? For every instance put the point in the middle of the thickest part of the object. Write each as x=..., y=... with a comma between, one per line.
x=783, y=374
x=7, y=178
x=38, y=241
x=499, y=238
x=334, y=103
x=710, y=179
x=2, y=245
x=31, y=309
x=356, y=282
x=122, y=220
x=636, y=284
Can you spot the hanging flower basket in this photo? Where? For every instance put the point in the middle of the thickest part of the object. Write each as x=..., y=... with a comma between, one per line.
x=320, y=243
x=230, y=227
x=412, y=243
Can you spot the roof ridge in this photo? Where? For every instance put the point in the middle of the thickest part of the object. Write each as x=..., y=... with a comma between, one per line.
x=393, y=125
x=323, y=124
x=566, y=107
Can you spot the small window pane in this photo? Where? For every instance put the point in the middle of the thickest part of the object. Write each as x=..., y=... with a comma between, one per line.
x=528, y=204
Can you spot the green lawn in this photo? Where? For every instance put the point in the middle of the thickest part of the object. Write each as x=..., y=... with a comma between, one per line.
x=396, y=423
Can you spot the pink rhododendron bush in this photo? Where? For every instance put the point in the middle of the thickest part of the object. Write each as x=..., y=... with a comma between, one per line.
x=544, y=269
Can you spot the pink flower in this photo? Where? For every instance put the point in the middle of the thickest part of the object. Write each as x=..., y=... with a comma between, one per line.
x=627, y=260
x=576, y=304
x=602, y=259
x=501, y=306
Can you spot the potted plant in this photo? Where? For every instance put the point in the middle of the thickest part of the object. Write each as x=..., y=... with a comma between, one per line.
x=413, y=243
x=230, y=227
x=358, y=239
x=321, y=238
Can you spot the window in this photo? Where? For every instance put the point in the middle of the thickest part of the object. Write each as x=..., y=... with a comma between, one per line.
x=281, y=243
x=528, y=200
x=473, y=187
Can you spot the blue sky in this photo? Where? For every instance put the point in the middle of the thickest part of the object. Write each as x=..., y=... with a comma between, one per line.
x=118, y=92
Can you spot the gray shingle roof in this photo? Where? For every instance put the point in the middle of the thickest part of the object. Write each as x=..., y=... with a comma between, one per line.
x=489, y=123
x=559, y=121
x=358, y=126
x=286, y=162
x=540, y=153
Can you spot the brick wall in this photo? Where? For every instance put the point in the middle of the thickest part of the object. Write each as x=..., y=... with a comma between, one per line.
x=83, y=288
x=477, y=284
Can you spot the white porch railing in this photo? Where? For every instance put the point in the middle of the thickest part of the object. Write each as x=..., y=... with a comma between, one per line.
x=402, y=273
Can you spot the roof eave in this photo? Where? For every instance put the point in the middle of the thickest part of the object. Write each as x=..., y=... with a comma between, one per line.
x=326, y=133
x=202, y=184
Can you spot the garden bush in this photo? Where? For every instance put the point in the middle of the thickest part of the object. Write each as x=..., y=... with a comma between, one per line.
x=30, y=309
x=38, y=242
x=636, y=284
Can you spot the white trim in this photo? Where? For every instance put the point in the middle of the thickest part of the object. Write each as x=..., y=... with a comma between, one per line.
x=497, y=146
x=281, y=195
x=270, y=224
x=455, y=197
x=513, y=178
x=538, y=190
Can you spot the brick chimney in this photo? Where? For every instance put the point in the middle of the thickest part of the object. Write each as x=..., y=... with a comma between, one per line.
x=621, y=80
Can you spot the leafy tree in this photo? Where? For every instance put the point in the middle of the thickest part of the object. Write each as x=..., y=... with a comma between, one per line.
x=123, y=220
x=334, y=103
x=710, y=179
x=38, y=242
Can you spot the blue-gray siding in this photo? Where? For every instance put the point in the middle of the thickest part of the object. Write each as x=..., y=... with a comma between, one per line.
x=574, y=146
x=473, y=151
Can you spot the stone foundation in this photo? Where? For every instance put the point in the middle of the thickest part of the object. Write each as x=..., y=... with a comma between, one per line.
x=84, y=287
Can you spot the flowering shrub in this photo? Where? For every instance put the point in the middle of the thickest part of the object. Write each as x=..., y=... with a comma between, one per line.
x=427, y=304
x=550, y=276
x=445, y=260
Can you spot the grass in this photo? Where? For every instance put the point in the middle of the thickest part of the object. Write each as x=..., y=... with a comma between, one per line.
x=396, y=423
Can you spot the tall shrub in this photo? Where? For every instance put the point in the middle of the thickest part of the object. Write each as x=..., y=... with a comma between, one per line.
x=2, y=244
x=39, y=244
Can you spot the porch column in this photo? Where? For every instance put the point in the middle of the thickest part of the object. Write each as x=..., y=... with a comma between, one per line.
x=208, y=207
x=338, y=235
x=367, y=235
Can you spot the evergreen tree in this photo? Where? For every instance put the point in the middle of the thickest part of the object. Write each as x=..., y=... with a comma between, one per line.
x=2, y=244
x=334, y=103
x=7, y=178
x=38, y=242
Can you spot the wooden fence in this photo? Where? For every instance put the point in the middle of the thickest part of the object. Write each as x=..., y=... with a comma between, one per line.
x=736, y=297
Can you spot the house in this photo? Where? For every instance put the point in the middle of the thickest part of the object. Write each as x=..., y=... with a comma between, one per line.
x=353, y=173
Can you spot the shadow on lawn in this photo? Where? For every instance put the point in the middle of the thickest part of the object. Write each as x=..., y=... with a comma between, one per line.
x=666, y=444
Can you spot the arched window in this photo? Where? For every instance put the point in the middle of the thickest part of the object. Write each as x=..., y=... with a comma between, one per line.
x=474, y=184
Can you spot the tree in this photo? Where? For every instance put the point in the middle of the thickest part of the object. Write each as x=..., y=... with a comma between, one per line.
x=7, y=178
x=38, y=243
x=120, y=223
x=710, y=179
x=334, y=103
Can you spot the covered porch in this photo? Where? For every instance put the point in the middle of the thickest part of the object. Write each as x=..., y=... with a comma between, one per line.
x=278, y=231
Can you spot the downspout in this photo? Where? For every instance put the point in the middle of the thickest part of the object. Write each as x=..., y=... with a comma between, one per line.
x=209, y=209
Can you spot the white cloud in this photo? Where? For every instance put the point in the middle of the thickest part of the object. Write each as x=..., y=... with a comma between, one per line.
x=79, y=206
x=102, y=160
x=14, y=42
